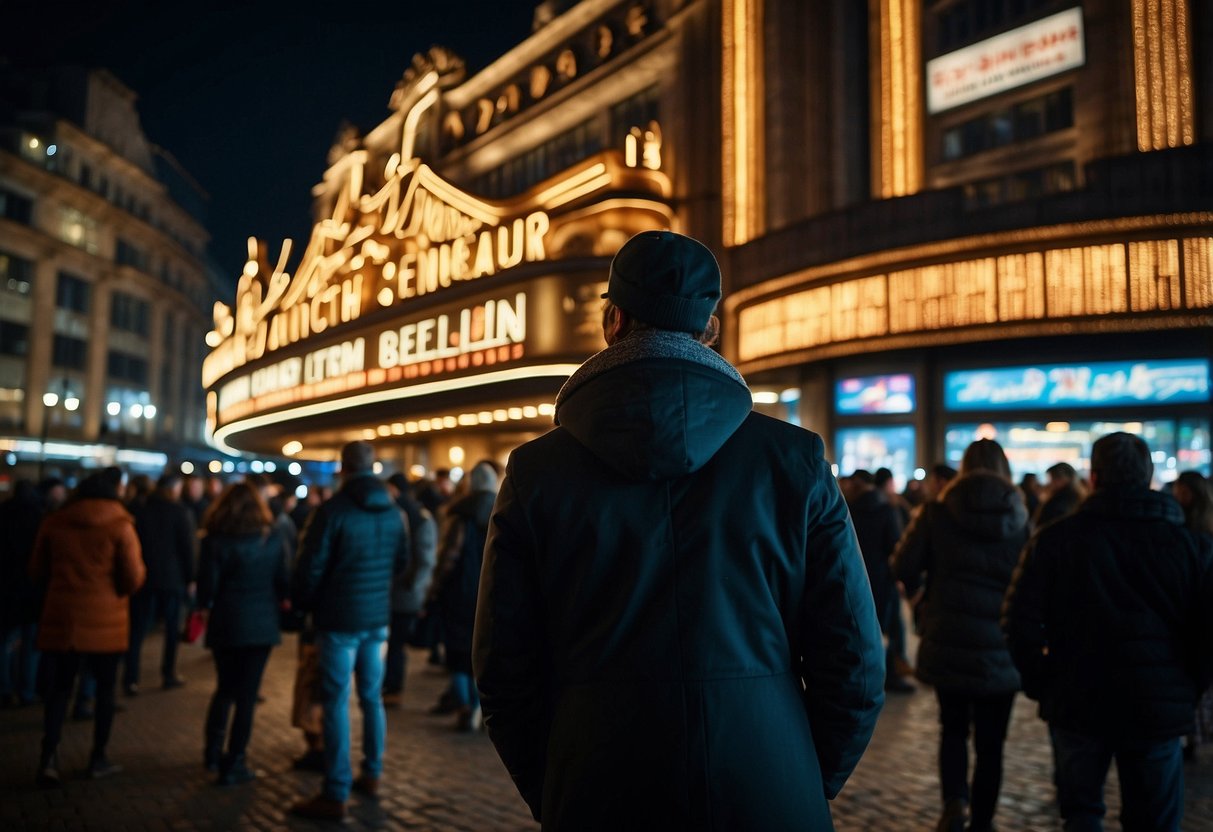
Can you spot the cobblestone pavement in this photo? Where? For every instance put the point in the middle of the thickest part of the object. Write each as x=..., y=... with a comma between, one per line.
x=437, y=779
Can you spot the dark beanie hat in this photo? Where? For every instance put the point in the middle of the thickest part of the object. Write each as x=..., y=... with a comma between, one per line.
x=666, y=280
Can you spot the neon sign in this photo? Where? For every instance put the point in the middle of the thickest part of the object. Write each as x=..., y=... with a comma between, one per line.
x=1100, y=384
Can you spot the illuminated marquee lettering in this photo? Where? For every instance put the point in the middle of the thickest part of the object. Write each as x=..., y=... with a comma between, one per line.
x=492, y=324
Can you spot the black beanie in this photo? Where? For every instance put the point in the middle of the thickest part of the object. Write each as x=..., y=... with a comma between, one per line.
x=666, y=280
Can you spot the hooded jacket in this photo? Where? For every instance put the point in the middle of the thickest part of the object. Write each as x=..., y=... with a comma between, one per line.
x=1110, y=618
x=965, y=547
x=88, y=555
x=675, y=628
x=351, y=548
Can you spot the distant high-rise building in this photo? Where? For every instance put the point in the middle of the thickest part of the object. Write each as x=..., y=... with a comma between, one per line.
x=105, y=295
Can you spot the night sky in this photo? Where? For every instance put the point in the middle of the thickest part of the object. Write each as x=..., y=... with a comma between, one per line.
x=249, y=95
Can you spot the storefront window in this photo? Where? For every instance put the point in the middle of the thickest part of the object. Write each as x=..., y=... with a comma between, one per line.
x=875, y=394
x=871, y=448
x=1032, y=447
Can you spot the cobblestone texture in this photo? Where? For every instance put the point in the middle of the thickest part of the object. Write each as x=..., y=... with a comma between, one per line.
x=436, y=779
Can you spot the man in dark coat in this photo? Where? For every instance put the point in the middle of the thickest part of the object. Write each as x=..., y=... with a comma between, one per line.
x=878, y=526
x=353, y=545
x=20, y=598
x=675, y=629
x=1110, y=620
x=167, y=536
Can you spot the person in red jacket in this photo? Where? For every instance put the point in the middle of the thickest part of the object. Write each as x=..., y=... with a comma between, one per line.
x=88, y=555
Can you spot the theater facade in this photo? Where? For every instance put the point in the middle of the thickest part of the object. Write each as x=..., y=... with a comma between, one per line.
x=936, y=221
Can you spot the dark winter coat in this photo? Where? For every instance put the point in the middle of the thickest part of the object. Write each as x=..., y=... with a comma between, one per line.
x=242, y=580
x=1057, y=506
x=878, y=526
x=457, y=581
x=965, y=548
x=166, y=534
x=20, y=598
x=1110, y=618
x=351, y=548
x=675, y=628
x=87, y=554
x=412, y=585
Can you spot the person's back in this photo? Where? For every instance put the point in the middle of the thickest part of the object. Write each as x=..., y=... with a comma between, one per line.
x=665, y=573
x=1110, y=618
x=166, y=535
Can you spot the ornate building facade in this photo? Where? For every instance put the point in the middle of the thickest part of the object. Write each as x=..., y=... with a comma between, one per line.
x=937, y=219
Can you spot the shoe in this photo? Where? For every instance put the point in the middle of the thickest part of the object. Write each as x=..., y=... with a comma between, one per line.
x=367, y=785
x=320, y=808
x=48, y=772
x=468, y=721
x=311, y=761
x=130, y=689
x=100, y=766
x=235, y=771
x=896, y=684
x=173, y=682
x=955, y=816
x=447, y=704
x=392, y=700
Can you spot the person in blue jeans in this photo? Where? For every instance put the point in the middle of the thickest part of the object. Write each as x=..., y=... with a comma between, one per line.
x=352, y=548
x=1109, y=618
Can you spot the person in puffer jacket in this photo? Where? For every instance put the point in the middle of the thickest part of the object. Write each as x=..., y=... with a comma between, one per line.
x=675, y=628
x=964, y=547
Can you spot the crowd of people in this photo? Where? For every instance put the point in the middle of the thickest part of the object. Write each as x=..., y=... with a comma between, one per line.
x=358, y=571
x=660, y=606
x=1089, y=595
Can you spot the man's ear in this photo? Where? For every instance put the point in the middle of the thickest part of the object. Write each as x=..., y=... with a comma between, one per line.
x=613, y=323
x=711, y=334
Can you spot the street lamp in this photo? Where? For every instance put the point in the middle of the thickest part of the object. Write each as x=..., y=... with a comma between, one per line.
x=50, y=400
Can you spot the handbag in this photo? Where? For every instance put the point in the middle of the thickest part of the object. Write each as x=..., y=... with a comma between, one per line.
x=195, y=625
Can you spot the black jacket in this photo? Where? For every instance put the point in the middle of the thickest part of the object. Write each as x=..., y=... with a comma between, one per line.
x=675, y=628
x=351, y=548
x=166, y=534
x=457, y=579
x=20, y=598
x=242, y=580
x=878, y=526
x=1121, y=595
x=965, y=547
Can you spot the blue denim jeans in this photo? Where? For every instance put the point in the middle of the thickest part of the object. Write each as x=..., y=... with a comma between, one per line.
x=340, y=655
x=1151, y=782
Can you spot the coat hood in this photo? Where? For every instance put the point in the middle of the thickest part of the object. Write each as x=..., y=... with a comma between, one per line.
x=92, y=511
x=654, y=405
x=986, y=505
x=1135, y=504
x=368, y=493
x=476, y=506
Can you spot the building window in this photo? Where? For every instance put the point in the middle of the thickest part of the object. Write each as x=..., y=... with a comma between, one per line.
x=14, y=338
x=74, y=293
x=129, y=313
x=1018, y=122
x=1020, y=186
x=636, y=111
x=557, y=154
x=16, y=274
x=78, y=229
x=69, y=353
x=971, y=20
x=15, y=207
x=122, y=366
x=128, y=255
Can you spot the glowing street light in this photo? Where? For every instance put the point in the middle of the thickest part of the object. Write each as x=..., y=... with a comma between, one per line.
x=113, y=408
x=71, y=403
x=50, y=399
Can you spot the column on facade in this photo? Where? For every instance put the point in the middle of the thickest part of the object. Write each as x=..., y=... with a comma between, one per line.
x=41, y=340
x=157, y=355
x=97, y=366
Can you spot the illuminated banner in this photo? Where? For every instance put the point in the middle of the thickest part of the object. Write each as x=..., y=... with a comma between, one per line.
x=1021, y=56
x=875, y=394
x=1093, y=281
x=1102, y=384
